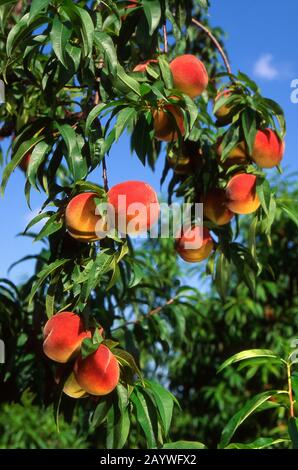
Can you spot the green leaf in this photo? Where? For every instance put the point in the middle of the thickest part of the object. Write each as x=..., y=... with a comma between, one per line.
x=124, y=118
x=164, y=401
x=59, y=35
x=23, y=149
x=37, y=156
x=260, y=443
x=247, y=410
x=21, y=30
x=143, y=417
x=128, y=81
x=76, y=161
x=38, y=6
x=152, y=10
x=290, y=210
x=44, y=273
x=37, y=219
x=88, y=347
x=264, y=193
x=249, y=125
x=81, y=17
x=165, y=70
x=293, y=432
x=184, y=445
x=100, y=412
x=249, y=354
x=105, y=43
x=94, y=113
x=51, y=226
x=127, y=360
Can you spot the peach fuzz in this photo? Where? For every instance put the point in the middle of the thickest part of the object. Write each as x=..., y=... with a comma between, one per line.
x=215, y=209
x=99, y=372
x=194, y=236
x=166, y=120
x=125, y=198
x=241, y=194
x=268, y=149
x=81, y=220
x=142, y=67
x=63, y=335
x=189, y=75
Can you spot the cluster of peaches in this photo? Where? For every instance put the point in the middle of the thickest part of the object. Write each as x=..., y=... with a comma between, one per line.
x=96, y=374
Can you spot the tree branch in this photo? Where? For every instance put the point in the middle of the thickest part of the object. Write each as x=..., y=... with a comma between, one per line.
x=215, y=42
x=165, y=37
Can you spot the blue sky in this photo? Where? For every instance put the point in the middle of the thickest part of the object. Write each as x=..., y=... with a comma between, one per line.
x=262, y=38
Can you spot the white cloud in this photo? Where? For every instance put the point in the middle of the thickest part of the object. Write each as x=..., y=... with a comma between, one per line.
x=264, y=68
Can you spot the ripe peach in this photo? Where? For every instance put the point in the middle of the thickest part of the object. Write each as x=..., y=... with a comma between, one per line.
x=136, y=206
x=142, y=67
x=189, y=75
x=166, y=119
x=99, y=372
x=241, y=194
x=237, y=156
x=82, y=222
x=63, y=335
x=194, y=245
x=214, y=207
x=268, y=149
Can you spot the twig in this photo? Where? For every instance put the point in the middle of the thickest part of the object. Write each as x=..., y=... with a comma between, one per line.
x=104, y=165
x=149, y=314
x=215, y=42
x=165, y=37
x=290, y=391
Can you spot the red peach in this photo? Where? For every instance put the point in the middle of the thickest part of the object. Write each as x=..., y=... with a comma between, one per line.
x=136, y=206
x=241, y=194
x=268, y=149
x=189, y=75
x=166, y=120
x=194, y=245
x=63, y=335
x=99, y=372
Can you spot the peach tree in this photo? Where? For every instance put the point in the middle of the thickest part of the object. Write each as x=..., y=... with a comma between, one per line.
x=77, y=76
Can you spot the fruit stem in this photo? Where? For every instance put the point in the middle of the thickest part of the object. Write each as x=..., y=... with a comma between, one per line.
x=165, y=36
x=290, y=391
x=215, y=42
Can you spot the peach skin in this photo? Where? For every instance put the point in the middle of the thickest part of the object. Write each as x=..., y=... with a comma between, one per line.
x=268, y=149
x=189, y=75
x=241, y=194
x=194, y=245
x=215, y=208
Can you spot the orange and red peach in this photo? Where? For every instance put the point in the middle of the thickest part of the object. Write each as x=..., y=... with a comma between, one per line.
x=189, y=75
x=167, y=119
x=194, y=245
x=268, y=149
x=98, y=373
x=82, y=222
x=215, y=208
x=136, y=206
x=241, y=194
x=63, y=335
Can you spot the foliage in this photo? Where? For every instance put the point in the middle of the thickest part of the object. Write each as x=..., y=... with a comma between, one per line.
x=71, y=93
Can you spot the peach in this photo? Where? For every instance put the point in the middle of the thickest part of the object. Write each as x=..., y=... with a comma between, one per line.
x=98, y=373
x=142, y=67
x=63, y=335
x=268, y=149
x=237, y=156
x=82, y=222
x=214, y=207
x=167, y=119
x=194, y=245
x=241, y=194
x=71, y=386
x=189, y=75
x=136, y=206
